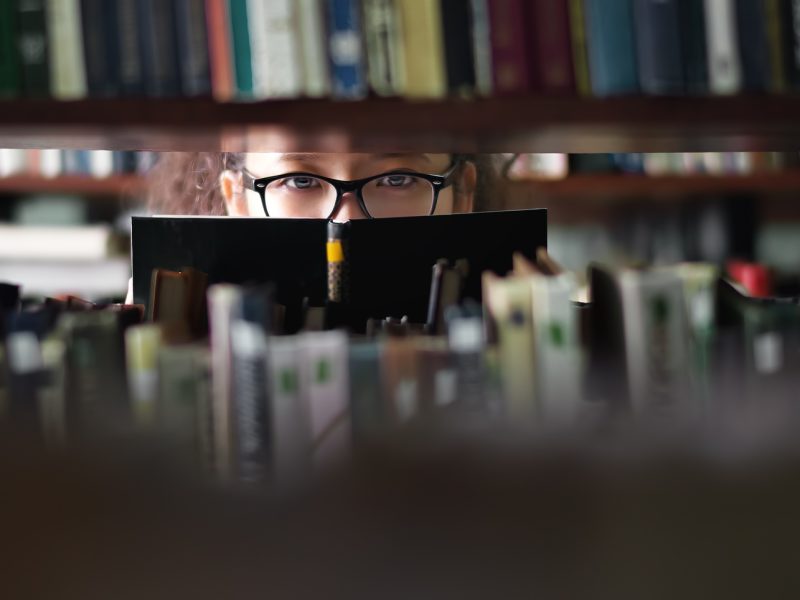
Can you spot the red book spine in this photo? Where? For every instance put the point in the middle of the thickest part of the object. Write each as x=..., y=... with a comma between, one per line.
x=510, y=63
x=551, y=46
x=219, y=49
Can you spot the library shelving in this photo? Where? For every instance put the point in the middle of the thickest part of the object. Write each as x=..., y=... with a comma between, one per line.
x=534, y=123
x=114, y=186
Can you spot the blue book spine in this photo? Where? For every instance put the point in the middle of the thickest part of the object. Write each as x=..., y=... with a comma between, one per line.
x=612, y=47
x=658, y=46
x=346, y=49
x=127, y=31
x=190, y=21
x=158, y=39
x=751, y=20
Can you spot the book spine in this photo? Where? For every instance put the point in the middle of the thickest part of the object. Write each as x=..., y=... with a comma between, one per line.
x=580, y=52
x=98, y=57
x=242, y=57
x=277, y=72
x=693, y=43
x=772, y=14
x=367, y=409
x=510, y=64
x=612, y=47
x=482, y=47
x=345, y=49
x=220, y=51
x=190, y=21
x=9, y=54
x=724, y=62
x=551, y=46
x=790, y=17
x=753, y=45
x=129, y=59
x=67, y=71
x=424, y=53
x=658, y=46
x=383, y=38
x=311, y=22
x=32, y=45
x=458, y=48
x=160, y=49
x=290, y=430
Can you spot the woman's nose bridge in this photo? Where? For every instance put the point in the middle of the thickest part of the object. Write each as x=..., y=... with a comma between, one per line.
x=349, y=207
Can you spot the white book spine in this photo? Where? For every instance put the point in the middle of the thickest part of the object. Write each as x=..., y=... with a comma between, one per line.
x=326, y=378
x=722, y=46
x=482, y=47
x=656, y=342
x=383, y=36
x=559, y=364
x=289, y=414
x=223, y=302
x=316, y=75
x=101, y=163
x=65, y=37
x=50, y=163
x=54, y=243
x=12, y=162
x=275, y=49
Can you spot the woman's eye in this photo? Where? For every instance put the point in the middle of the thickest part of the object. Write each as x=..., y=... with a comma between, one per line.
x=396, y=180
x=299, y=183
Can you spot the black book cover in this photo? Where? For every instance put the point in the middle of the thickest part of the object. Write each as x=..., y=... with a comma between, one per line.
x=159, y=43
x=658, y=46
x=390, y=260
x=751, y=20
x=100, y=47
x=190, y=20
x=458, y=47
x=33, y=47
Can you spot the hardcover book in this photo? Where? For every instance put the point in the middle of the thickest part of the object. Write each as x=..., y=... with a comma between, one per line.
x=389, y=260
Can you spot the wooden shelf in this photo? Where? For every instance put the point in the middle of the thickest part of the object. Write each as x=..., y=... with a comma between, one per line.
x=514, y=124
x=613, y=186
x=115, y=186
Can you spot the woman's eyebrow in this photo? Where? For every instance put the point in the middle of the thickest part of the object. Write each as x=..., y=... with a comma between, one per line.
x=301, y=157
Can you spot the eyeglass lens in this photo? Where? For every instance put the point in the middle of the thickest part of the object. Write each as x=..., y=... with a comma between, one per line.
x=393, y=195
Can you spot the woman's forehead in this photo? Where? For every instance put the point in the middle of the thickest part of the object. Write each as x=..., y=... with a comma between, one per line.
x=276, y=162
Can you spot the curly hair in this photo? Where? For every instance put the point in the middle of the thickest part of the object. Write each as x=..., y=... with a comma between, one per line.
x=187, y=183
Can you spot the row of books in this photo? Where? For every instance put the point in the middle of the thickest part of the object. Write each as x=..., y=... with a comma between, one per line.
x=526, y=167
x=51, y=163
x=259, y=49
x=666, y=345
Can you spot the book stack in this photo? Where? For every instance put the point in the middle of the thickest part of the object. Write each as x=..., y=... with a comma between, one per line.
x=51, y=163
x=240, y=50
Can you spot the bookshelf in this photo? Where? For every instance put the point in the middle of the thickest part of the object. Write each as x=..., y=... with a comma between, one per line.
x=115, y=186
x=525, y=123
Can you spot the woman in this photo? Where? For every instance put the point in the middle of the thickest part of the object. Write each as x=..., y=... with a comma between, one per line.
x=336, y=186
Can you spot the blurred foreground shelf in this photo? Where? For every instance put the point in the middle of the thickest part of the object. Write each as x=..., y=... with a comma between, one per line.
x=115, y=186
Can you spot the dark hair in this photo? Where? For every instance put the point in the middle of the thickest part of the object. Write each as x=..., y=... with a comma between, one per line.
x=187, y=183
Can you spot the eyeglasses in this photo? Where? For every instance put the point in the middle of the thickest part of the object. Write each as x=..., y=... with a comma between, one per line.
x=308, y=195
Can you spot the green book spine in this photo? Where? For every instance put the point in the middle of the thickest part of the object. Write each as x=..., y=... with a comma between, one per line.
x=241, y=48
x=9, y=58
x=32, y=44
x=579, y=51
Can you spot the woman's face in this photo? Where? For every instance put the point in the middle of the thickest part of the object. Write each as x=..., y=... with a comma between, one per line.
x=247, y=202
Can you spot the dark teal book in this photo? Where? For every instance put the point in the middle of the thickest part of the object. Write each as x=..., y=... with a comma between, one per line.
x=158, y=38
x=195, y=72
x=9, y=54
x=100, y=47
x=751, y=20
x=33, y=48
x=243, y=66
x=611, y=44
x=659, y=50
x=693, y=42
x=131, y=76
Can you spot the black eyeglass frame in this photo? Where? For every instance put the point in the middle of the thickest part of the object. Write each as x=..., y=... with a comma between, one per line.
x=438, y=183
